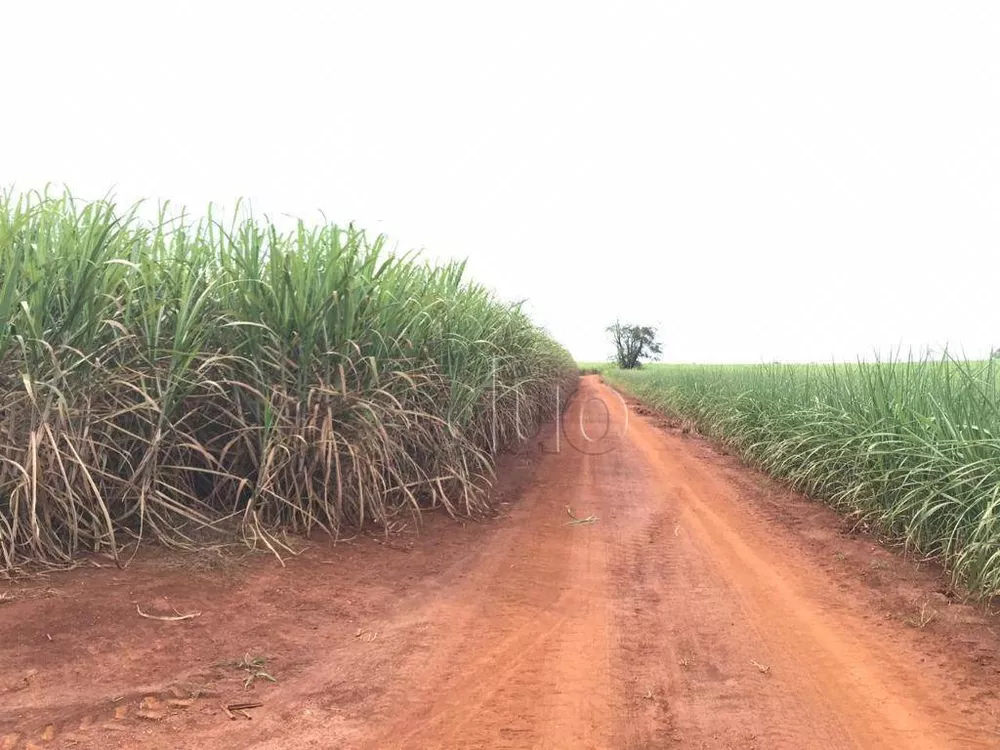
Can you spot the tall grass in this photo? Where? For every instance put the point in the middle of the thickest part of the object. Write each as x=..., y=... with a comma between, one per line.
x=160, y=380
x=911, y=446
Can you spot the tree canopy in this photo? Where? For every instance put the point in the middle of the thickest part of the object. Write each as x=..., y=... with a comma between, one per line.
x=634, y=343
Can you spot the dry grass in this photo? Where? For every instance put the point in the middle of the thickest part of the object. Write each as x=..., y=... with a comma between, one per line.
x=194, y=383
x=254, y=668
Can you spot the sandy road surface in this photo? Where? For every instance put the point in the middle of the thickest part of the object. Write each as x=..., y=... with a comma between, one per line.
x=704, y=607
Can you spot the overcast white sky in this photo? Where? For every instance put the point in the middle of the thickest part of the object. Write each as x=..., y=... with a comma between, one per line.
x=792, y=181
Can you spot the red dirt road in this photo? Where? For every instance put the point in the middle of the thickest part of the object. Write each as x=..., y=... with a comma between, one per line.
x=703, y=607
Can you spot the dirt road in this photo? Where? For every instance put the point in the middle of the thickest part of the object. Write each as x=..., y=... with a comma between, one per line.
x=691, y=604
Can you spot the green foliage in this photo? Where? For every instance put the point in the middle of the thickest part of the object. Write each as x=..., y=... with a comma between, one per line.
x=167, y=379
x=634, y=343
x=913, y=447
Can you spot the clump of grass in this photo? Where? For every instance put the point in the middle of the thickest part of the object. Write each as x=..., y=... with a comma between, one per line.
x=910, y=447
x=183, y=380
x=924, y=616
x=253, y=666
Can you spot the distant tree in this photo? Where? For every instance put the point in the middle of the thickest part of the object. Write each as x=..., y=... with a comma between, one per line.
x=634, y=343
x=995, y=354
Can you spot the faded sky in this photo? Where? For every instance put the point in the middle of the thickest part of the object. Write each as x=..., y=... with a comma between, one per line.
x=764, y=181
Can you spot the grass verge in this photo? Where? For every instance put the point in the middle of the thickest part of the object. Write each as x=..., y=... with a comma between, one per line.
x=912, y=447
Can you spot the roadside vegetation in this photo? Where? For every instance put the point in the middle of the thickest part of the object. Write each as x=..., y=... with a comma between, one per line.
x=911, y=447
x=176, y=380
